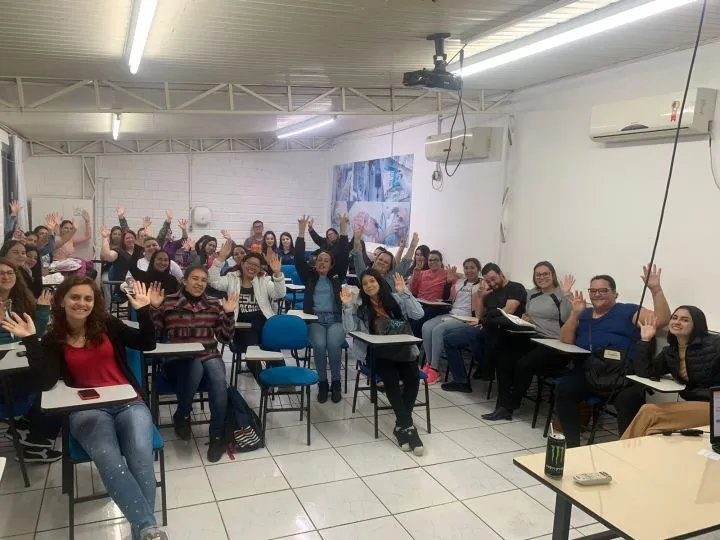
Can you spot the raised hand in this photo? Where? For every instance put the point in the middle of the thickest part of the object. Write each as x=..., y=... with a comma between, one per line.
x=51, y=221
x=120, y=211
x=19, y=327
x=344, y=222
x=302, y=224
x=226, y=250
x=15, y=208
x=226, y=235
x=147, y=221
x=156, y=295
x=345, y=295
x=652, y=277
x=358, y=233
x=169, y=214
x=578, y=303
x=451, y=274
x=18, y=234
x=311, y=222
x=45, y=298
x=403, y=242
x=85, y=216
x=230, y=303
x=141, y=298
x=567, y=284
x=273, y=261
x=648, y=328
x=483, y=291
x=415, y=238
x=188, y=244
x=399, y=283
x=183, y=224
x=104, y=232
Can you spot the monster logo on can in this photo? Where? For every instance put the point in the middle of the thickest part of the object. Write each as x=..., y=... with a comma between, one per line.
x=555, y=455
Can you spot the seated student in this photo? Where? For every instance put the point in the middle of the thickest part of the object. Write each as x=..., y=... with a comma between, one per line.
x=37, y=432
x=16, y=253
x=497, y=292
x=150, y=246
x=204, y=253
x=32, y=263
x=330, y=243
x=66, y=240
x=607, y=323
x=379, y=309
x=322, y=298
x=287, y=249
x=434, y=330
x=191, y=316
x=420, y=259
x=233, y=265
x=165, y=236
x=384, y=261
x=85, y=347
x=269, y=242
x=519, y=358
x=692, y=356
x=253, y=242
x=158, y=272
x=256, y=295
x=45, y=240
x=428, y=285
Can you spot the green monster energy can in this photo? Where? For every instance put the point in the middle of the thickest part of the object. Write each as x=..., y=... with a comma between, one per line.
x=555, y=455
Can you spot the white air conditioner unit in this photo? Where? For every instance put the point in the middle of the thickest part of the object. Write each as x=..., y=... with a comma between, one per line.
x=477, y=145
x=653, y=117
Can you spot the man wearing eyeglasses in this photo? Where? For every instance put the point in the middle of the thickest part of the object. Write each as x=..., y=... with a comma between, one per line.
x=609, y=326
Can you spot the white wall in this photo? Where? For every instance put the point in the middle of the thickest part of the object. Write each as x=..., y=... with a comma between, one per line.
x=461, y=220
x=591, y=210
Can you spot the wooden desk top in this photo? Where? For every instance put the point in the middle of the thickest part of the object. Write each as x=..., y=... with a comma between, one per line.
x=661, y=487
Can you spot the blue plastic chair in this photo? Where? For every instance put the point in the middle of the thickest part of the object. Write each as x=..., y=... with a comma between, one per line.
x=296, y=300
x=285, y=332
x=597, y=405
x=75, y=455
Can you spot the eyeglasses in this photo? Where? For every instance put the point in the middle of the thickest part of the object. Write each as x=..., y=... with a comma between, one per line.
x=7, y=274
x=599, y=292
x=433, y=259
x=255, y=266
x=543, y=275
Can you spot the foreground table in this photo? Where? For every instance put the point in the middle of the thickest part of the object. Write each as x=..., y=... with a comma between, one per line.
x=661, y=487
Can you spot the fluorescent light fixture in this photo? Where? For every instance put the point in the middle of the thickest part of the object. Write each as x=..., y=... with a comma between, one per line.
x=115, y=125
x=141, y=33
x=307, y=127
x=610, y=22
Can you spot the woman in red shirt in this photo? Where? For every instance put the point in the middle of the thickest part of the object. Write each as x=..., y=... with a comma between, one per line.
x=85, y=347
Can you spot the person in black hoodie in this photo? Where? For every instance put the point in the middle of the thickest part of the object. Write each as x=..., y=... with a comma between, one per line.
x=692, y=356
x=330, y=242
x=158, y=272
x=322, y=298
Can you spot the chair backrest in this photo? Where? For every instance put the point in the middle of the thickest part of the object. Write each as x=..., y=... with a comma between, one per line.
x=284, y=332
x=134, y=360
x=290, y=271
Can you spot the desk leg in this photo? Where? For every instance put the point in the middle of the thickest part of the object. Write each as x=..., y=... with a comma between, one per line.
x=294, y=293
x=373, y=387
x=561, y=523
x=154, y=393
x=7, y=395
x=67, y=468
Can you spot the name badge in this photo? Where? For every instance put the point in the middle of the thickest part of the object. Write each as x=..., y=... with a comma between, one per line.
x=612, y=355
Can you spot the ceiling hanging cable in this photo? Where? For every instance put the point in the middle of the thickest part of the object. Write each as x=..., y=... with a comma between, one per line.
x=461, y=109
x=675, y=146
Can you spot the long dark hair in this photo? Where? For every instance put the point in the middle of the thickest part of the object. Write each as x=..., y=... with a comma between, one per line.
x=167, y=281
x=35, y=271
x=426, y=253
x=95, y=324
x=292, y=244
x=366, y=311
x=22, y=298
x=700, y=327
x=122, y=235
x=31, y=278
x=552, y=271
x=200, y=247
x=264, y=246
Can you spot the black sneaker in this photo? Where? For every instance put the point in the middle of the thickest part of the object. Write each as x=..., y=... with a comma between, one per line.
x=456, y=387
x=336, y=391
x=39, y=455
x=216, y=449
x=181, y=424
x=22, y=423
x=416, y=444
x=402, y=439
x=33, y=441
x=322, y=391
x=501, y=413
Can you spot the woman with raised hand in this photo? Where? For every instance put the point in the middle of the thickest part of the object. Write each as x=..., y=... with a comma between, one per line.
x=692, y=357
x=158, y=272
x=256, y=295
x=380, y=311
x=46, y=238
x=66, y=240
x=322, y=298
x=330, y=243
x=16, y=252
x=120, y=256
x=420, y=259
x=85, y=347
x=384, y=261
x=188, y=316
x=287, y=249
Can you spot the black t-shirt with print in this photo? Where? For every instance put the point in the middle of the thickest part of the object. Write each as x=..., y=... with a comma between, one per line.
x=248, y=308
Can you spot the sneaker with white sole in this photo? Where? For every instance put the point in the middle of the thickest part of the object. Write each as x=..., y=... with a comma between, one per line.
x=33, y=441
x=416, y=444
x=39, y=455
x=402, y=439
x=153, y=533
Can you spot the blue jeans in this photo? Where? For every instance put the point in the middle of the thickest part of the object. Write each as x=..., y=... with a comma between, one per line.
x=189, y=372
x=326, y=337
x=109, y=434
x=454, y=341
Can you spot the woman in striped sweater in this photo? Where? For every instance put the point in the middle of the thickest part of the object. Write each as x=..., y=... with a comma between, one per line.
x=191, y=316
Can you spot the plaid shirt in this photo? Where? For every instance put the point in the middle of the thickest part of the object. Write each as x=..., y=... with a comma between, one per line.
x=204, y=321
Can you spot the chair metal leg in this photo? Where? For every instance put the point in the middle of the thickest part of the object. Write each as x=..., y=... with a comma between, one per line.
x=355, y=393
x=346, y=369
x=302, y=403
x=373, y=392
x=163, y=491
x=538, y=399
x=489, y=393
x=307, y=389
x=597, y=411
x=71, y=500
x=202, y=401
x=427, y=406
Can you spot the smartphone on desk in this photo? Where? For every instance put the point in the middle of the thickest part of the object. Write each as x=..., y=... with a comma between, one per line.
x=89, y=393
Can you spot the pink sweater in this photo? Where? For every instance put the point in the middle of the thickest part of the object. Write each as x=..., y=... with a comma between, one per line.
x=430, y=285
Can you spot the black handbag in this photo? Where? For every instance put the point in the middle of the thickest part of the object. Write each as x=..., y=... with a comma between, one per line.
x=606, y=368
x=394, y=353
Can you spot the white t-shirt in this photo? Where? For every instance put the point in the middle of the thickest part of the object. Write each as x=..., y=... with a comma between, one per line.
x=463, y=298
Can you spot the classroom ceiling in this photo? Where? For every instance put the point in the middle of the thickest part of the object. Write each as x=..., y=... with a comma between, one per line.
x=268, y=44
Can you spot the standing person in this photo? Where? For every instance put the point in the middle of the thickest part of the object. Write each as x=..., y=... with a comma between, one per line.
x=213, y=321
x=66, y=240
x=16, y=253
x=379, y=308
x=254, y=242
x=434, y=330
x=608, y=324
x=256, y=295
x=287, y=249
x=519, y=358
x=85, y=347
x=322, y=298
x=692, y=356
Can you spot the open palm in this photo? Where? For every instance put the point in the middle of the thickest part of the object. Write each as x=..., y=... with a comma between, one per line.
x=20, y=327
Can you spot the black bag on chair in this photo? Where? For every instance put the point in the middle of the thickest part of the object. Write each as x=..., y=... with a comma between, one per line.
x=395, y=353
x=606, y=368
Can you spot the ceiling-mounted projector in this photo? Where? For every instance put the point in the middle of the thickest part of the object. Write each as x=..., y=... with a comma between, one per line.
x=438, y=78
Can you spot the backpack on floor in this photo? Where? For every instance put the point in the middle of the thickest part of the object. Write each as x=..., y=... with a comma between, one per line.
x=242, y=425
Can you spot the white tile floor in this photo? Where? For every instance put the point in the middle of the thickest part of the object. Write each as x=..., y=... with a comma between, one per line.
x=346, y=485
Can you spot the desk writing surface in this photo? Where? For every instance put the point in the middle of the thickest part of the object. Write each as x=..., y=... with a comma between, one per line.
x=132, y=324
x=663, y=385
x=466, y=319
x=434, y=303
x=560, y=346
x=61, y=397
x=12, y=362
x=304, y=316
x=10, y=346
x=395, y=339
x=2, y=465
x=255, y=353
x=661, y=488
x=166, y=349
x=243, y=325
x=293, y=287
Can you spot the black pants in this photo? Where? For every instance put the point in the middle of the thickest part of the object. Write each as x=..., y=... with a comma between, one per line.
x=573, y=389
x=244, y=338
x=41, y=424
x=401, y=400
x=519, y=363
